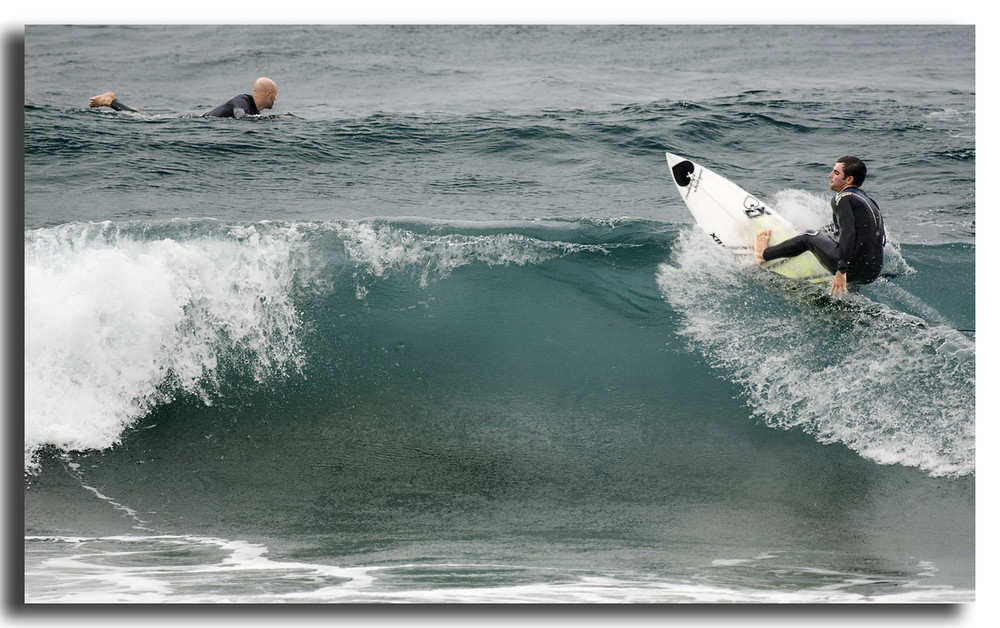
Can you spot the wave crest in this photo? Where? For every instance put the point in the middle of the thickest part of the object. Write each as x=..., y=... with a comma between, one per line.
x=116, y=324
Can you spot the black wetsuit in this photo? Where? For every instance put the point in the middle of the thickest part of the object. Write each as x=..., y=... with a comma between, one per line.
x=235, y=107
x=119, y=106
x=858, y=253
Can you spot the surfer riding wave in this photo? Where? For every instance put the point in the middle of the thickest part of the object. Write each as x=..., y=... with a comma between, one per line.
x=854, y=250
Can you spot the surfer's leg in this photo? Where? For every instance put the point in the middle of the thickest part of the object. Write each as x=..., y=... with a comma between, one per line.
x=823, y=247
x=789, y=248
x=826, y=250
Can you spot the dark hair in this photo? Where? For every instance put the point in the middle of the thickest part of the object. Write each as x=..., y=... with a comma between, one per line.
x=854, y=167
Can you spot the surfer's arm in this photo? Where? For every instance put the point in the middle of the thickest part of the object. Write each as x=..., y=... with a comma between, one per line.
x=845, y=218
x=108, y=100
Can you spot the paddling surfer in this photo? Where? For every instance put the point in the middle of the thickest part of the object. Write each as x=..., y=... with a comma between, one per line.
x=854, y=253
x=262, y=97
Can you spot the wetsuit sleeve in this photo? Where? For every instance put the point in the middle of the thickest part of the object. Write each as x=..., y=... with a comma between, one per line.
x=119, y=106
x=848, y=233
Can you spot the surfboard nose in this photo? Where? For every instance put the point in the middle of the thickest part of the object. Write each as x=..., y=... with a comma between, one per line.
x=681, y=168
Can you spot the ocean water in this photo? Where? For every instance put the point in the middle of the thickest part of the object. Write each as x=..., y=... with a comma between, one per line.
x=437, y=328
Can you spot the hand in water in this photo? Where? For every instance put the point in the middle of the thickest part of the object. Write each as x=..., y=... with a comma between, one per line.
x=839, y=285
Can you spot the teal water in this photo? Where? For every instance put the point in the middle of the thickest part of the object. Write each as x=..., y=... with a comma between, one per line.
x=449, y=335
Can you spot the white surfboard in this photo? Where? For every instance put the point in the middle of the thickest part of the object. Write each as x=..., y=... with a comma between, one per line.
x=733, y=217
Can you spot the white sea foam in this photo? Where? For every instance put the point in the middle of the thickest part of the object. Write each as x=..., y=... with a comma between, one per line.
x=890, y=385
x=806, y=210
x=173, y=569
x=115, y=324
x=378, y=249
x=195, y=569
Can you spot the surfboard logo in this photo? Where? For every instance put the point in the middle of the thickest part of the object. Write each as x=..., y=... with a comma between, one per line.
x=693, y=183
x=683, y=173
x=754, y=208
x=686, y=176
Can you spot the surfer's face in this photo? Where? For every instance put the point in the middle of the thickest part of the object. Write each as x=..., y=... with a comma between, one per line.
x=837, y=179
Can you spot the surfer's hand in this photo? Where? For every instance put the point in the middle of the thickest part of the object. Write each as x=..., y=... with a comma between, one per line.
x=839, y=285
x=102, y=100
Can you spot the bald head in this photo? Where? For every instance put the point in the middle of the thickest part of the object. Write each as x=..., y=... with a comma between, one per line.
x=264, y=93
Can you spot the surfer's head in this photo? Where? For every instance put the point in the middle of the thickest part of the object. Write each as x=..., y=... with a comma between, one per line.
x=848, y=172
x=264, y=93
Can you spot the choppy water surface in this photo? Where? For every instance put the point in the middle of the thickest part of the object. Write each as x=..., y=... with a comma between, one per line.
x=437, y=328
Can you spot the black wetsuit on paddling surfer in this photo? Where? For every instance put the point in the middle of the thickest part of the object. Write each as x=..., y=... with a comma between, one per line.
x=854, y=251
x=262, y=97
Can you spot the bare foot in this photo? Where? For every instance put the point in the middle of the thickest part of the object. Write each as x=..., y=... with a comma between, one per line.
x=759, y=244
